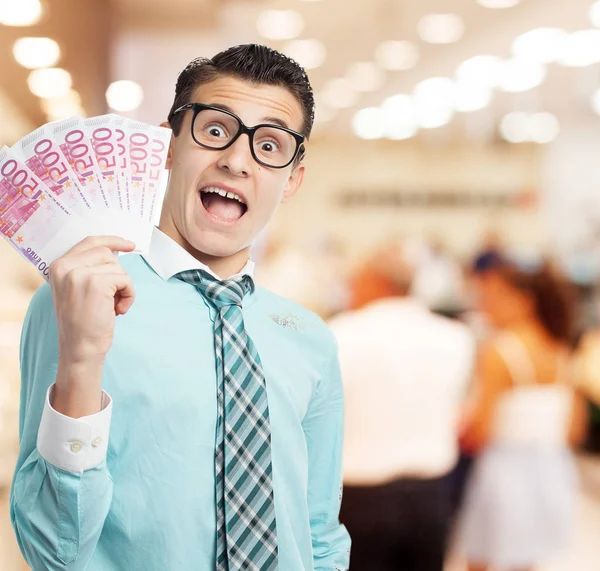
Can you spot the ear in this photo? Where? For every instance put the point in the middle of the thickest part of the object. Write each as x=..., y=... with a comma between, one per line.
x=293, y=183
x=170, y=153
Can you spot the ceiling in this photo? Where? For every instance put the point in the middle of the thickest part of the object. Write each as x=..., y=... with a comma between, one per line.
x=150, y=41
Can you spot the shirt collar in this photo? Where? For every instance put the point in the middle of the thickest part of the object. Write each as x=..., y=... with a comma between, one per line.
x=167, y=258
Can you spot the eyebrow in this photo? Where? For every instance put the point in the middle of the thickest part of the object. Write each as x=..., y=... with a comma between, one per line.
x=270, y=120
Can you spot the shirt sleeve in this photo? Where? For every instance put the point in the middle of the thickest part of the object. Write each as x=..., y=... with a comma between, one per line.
x=61, y=493
x=74, y=444
x=324, y=431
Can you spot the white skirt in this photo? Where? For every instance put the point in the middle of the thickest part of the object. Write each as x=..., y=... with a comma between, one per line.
x=519, y=506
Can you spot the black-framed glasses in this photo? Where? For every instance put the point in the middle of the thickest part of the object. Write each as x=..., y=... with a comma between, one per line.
x=272, y=146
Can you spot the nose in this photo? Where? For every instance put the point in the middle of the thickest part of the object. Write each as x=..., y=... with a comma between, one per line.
x=237, y=159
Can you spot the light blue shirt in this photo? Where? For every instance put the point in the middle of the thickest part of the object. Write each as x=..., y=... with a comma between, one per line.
x=145, y=500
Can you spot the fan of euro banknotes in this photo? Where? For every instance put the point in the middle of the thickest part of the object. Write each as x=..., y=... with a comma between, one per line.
x=82, y=177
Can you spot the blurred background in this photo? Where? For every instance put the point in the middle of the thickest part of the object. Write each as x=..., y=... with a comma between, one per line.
x=452, y=127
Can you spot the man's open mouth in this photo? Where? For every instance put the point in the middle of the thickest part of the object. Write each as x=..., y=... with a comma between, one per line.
x=222, y=203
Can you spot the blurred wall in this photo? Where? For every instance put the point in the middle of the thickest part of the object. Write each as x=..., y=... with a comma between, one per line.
x=342, y=166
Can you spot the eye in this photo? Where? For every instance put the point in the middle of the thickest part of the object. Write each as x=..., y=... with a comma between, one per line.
x=216, y=130
x=268, y=146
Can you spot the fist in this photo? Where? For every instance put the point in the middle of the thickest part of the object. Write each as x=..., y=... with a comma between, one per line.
x=90, y=289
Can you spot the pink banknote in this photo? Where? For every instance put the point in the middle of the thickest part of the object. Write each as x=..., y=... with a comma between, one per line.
x=43, y=156
x=77, y=149
x=156, y=183
x=30, y=214
x=103, y=137
x=118, y=123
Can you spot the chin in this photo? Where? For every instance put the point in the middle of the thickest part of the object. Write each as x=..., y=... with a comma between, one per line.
x=215, y=244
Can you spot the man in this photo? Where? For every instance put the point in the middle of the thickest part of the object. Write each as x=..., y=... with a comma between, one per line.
x=226, y=401
x=405, y=371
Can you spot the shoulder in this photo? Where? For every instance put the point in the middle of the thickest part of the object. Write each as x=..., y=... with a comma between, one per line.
x=454, y=329
x=293, y=316
x=492, y=362
x=39, y=335
x=41, y=305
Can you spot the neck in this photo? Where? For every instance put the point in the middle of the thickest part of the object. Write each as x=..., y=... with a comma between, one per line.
x=222, y=266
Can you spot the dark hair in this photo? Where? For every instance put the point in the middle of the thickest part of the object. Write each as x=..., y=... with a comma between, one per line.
x=554, y=296
x=257, y=64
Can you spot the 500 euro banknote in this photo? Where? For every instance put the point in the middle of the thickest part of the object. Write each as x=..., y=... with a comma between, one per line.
x=44, y=158
x=103, y=136
x=118, y=124
x=77, y=149
x=158, y=177
x=148, y=149
x=30, y=215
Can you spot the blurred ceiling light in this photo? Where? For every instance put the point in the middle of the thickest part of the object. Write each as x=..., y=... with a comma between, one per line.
x=124, y=95
x=369, y=123
x=470, y=97
x=339, y=93
x=401, y=131
x=539, y=128
x=581, y=49
x=310, y=54
x=498, y=4
x=433, y=118
x=70, y=98
x=479, y=71
x=518, y=75
x=541, y=45
x=397, y=55
x=400, y=105
x=280, y=24
x=20, y=12
x=435, y=92
x=596, y=102
x=400, y=118
x=366, y=76
x=68, y=105
x=595, y=14
x=49, y=82
x=57, y=112
x=441, y=28
x=543, y=128
x=514, y=127
x=434, y=100
x=34, y=53
x=324, y=114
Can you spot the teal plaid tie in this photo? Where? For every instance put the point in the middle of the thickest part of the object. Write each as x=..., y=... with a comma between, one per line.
x=246, y=528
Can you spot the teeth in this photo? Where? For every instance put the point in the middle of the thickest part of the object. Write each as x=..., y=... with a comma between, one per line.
x=223, y=193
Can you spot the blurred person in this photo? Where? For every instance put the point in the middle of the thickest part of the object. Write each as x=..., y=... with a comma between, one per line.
x=519, y=503
x=312, y=275
x=226, y=400
x=438, y=281
x=587, y=363
x=405, y=371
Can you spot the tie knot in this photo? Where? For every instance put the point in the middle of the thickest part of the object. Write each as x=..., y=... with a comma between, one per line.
x=220, y=293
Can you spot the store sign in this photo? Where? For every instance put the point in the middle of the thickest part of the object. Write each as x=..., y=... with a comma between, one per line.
x=435, y=199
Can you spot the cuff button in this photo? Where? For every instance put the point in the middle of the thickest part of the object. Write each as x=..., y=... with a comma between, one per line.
x=76, y=446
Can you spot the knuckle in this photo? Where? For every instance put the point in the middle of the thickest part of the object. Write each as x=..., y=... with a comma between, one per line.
x=56, y=271
x=114, y=267
x=75, y=277
x=106, y=253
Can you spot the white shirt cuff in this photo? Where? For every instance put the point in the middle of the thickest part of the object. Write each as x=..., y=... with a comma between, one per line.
x=74, y=444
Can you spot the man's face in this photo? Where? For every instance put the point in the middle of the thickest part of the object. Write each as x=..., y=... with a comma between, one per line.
x=205, y=222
